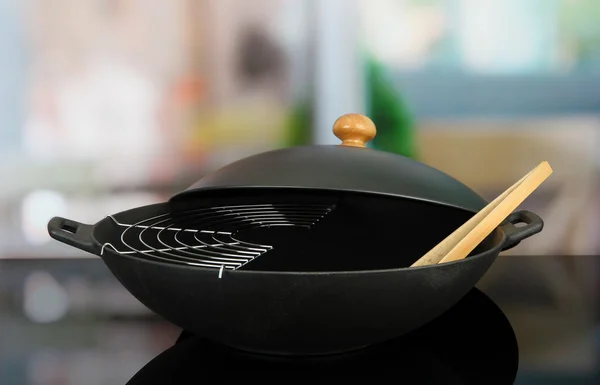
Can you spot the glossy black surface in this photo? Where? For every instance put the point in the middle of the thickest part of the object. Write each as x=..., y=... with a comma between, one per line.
x=472, y=343
x=342, y=169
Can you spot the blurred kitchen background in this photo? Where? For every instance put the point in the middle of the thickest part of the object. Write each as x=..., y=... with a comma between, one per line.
x=107, y=105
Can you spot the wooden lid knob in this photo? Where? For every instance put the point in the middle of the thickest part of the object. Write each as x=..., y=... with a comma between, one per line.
x=354, y=130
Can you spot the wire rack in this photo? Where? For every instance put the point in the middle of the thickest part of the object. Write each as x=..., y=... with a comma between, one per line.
x=207, y=237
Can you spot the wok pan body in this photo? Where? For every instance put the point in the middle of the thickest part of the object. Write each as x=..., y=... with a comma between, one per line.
x=310, y=312
x=300, y=313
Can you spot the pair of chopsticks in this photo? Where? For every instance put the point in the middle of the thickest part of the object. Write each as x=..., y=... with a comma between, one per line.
x=462, y=241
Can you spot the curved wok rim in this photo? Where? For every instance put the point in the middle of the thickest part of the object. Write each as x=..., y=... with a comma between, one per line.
x=497, y=249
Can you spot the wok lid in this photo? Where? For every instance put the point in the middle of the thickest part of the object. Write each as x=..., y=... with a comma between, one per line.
x=349, y=166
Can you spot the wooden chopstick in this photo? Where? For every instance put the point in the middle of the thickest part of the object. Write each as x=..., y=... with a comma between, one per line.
x=499, y=213
x=441, y=249
x=437, y=253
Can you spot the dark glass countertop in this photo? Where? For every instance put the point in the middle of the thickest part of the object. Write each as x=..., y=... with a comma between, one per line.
x=531, y=320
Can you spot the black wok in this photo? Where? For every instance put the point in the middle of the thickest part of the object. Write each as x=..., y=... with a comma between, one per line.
x=300, y=251
x=327, y=289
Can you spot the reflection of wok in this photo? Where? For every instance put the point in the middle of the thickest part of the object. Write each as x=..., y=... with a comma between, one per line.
x=472, y=343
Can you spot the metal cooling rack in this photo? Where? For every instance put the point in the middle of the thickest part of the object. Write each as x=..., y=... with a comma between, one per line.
x=207, y=237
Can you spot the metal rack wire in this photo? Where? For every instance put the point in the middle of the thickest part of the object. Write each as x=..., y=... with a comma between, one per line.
x=206, y=237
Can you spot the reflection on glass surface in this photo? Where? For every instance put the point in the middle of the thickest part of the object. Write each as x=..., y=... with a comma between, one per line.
x=44, y=299
x=69, y=322
x=93, y=329
x=449, y=350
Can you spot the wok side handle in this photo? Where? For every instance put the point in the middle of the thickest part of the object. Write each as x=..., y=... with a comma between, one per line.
x=74, y=234
x=515, y=234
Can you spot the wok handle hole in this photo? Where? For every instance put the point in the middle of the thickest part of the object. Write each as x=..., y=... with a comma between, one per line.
x=520, y=224
x=69, y=228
